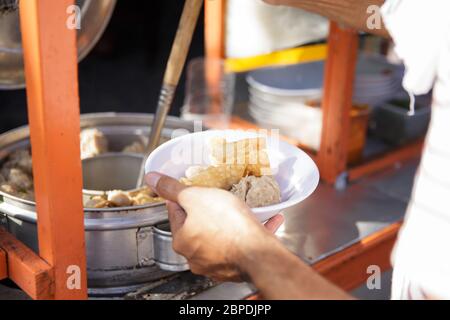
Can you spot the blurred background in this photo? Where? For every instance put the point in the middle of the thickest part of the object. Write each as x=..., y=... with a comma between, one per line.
x=124, y=71
x=273, y=86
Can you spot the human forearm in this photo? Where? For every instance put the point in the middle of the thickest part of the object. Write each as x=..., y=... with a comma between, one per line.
x=278, y=274
x=349, y=12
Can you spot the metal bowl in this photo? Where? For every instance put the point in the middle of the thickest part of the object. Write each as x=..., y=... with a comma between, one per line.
x=97, y=177
x=95, y=15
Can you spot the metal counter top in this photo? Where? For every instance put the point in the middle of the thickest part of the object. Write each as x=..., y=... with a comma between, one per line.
x=333, y=220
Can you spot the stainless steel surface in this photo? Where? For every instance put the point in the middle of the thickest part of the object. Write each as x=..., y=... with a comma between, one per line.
x=165, y=257
x=95, y=15
x=332, y=220
x=164, y=104
x=111, y=171
x=353, y=214
x=118, y=256
x=227, y=291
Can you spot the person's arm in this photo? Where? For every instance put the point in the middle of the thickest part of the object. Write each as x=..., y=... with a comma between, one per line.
x=278, y=274
x=349, y=12
x=221, y=239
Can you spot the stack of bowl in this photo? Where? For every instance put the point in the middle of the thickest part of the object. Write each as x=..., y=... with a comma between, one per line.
x=287, y=97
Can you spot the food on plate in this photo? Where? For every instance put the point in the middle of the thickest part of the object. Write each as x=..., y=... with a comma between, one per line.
x=249, y=152
x=257, y=191
x=93, y=143
x=241, y=167
x=118, y=198
x=221, y=176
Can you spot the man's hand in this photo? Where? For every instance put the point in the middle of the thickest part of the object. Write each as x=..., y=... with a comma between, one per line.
x=212, y=228
x=221, y=238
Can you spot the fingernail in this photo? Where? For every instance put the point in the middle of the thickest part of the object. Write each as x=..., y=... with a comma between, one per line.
x=152, y=180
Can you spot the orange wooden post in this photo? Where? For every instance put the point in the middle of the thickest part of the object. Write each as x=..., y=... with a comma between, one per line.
x=215, y=13
x=50, y=52
x=215, y=50
x=3, y=266
x=337, y=101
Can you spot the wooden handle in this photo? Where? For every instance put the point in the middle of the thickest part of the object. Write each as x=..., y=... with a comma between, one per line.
x=183, y=39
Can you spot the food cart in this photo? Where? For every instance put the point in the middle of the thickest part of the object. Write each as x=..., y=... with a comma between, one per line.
x=329, y=239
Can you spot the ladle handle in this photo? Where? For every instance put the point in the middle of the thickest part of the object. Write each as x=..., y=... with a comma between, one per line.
x=182, y=43
x=174, y=68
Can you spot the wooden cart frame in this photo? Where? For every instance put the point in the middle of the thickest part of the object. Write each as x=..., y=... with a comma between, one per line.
x=332, y=158
x=50, y=54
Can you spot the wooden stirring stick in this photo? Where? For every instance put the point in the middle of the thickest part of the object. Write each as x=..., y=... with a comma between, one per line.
x=175, y=65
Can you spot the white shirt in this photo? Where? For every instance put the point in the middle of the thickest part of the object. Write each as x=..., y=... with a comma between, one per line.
x=421, y=32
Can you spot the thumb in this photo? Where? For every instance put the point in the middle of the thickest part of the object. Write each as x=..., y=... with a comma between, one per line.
x=177, y=216
x=166, y=187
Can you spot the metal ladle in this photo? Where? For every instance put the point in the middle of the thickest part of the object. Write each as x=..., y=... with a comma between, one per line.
x=175, y=65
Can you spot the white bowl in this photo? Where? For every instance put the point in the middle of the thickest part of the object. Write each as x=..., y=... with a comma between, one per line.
x=294, y=170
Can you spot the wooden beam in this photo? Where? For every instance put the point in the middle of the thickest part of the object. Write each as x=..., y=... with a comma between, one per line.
x=413, y=150
x=32, y=274
x=348, y=268
x=215, y=15
x=3, y=265
x=51, y=69
x=337, y=101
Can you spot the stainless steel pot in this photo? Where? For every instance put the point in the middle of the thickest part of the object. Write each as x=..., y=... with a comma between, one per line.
x=95, y=15
x=120, y=242
x=164, y=255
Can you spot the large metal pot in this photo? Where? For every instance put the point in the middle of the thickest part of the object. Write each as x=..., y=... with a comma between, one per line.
x=95, y=15
x=119, y=242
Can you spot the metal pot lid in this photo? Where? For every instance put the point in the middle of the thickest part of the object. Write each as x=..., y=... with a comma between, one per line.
x=95, y=15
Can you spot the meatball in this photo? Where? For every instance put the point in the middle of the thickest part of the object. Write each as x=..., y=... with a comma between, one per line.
x=119, y=198
x=135, y=147
x=258, y=191
x=20, y=179
x=93, y=143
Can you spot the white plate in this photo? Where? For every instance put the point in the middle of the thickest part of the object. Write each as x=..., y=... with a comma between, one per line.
x=271, y=98
x=296, y=173
x=302, y=79
x=306, y=79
